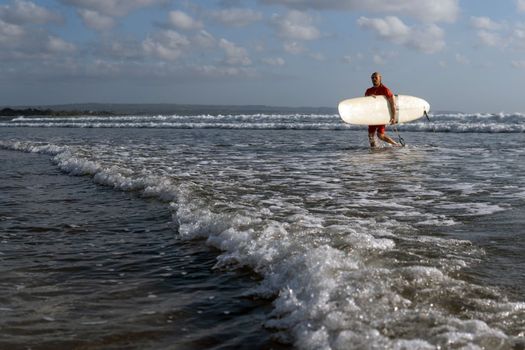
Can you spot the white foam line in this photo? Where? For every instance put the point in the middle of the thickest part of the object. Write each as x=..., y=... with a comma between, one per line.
x=162, y=118
x=63, y=157
x=187, y=125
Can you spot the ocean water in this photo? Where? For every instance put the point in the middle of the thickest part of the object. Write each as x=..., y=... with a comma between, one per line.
x=261, y=231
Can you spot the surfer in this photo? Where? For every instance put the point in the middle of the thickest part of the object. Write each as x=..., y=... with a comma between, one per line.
x=377, y=90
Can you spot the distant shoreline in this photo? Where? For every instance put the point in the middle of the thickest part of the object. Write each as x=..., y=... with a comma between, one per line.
x=15, y=112
x=155, y=109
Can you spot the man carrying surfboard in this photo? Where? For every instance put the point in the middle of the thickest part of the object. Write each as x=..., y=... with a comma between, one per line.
x=377, y=90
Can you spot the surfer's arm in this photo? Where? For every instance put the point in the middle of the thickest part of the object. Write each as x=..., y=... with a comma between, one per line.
x=393, y=110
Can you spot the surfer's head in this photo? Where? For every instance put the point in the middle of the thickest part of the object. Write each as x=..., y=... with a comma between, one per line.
x=376, y=78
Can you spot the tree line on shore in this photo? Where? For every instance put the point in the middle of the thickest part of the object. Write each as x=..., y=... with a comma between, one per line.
x=11, y=112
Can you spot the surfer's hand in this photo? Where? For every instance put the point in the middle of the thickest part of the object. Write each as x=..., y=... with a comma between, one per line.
x=393, y=117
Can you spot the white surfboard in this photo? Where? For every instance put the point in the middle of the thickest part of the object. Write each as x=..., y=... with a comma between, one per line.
x=372, y=110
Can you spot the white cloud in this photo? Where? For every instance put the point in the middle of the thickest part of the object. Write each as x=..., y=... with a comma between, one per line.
x=293, y=47
x=274, y=61
x=356, y=58
x=204, y=39
x=170, y=45
x=517, y=37
x=520, y=5
x=183, y=21
x=57, y=45
x=518, y=64
x=487, y=31
x=490, y=38
x=21, y=12
x=348, y=59
x=317, y=56
x=218, y=72
x=25, y=43
x=378, y=59
x=461, y=59
x=519, y=33
x=236, y=17
x=484, y=23
x=120, y=49
x=105, y=68
x=10, y=33
x=427, y=39
x=424, y=10
x=390, y=28
x=294, y=28
x=235, y=55
x=499, y=34
x=114, y=8
x=296, y=25
x=95, y=20
x=167, y=45
x=100, y=14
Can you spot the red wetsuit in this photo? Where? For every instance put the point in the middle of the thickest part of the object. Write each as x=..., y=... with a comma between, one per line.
x=378, y=91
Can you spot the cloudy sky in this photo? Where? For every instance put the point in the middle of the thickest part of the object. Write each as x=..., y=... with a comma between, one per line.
x=462, y=55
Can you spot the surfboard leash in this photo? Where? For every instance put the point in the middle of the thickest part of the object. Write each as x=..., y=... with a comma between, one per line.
x=401, y=140
x=428, y=118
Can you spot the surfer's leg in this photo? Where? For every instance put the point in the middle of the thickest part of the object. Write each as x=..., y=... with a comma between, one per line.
x=386, y=138
x=372, y=135
x=372, y=140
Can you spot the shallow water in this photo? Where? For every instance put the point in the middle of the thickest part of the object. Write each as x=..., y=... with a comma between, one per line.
x=86, y=267
x=302, y=237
